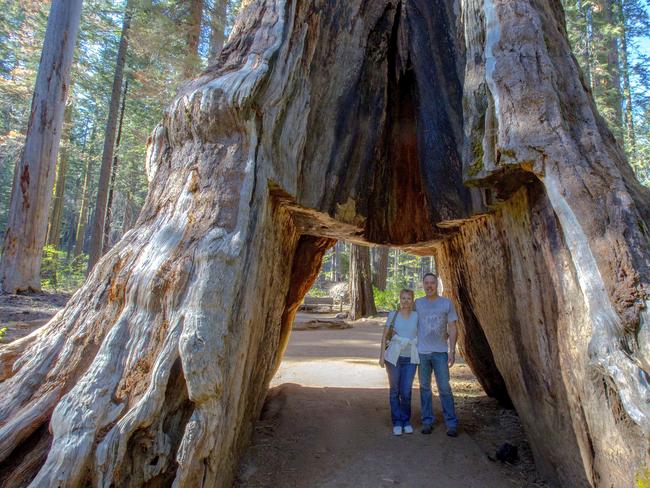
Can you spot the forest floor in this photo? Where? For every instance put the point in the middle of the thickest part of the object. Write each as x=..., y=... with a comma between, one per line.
x=326, y=423
x=22, y=314
x=326, y=420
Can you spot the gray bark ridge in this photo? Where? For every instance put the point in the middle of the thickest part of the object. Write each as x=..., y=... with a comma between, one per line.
x=158, y=366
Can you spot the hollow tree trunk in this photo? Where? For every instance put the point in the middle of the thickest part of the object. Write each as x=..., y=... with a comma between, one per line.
x=157, y=367
x=97, y=233
x=362, y=302
x=34, y=174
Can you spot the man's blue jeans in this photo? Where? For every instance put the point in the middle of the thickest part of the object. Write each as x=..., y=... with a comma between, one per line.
x=436, y=361
x=400, y=378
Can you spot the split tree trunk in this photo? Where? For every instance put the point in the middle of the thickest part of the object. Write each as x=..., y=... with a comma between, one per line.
x=34, y=174
x=362, y=301
x=99, y=220
x=322, y=121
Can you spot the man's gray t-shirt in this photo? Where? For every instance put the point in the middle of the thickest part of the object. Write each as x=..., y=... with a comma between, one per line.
x=433, y=317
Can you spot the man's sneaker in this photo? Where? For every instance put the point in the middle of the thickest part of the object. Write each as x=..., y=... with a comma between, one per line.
x=427, y=429
x=397, y=430
x=408, y=429
x=452, y=432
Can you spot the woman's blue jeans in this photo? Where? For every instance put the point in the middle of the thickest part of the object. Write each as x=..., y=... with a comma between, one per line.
x=400, y=378
x=436, y=361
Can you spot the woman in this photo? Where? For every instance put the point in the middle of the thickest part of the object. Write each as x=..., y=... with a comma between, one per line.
x=401, y=359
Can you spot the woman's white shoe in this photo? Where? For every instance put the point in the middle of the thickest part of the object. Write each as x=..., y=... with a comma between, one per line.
x=408, y=429
x=397, y=430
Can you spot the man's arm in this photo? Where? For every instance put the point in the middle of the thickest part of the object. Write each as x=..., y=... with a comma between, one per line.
x=453, y=335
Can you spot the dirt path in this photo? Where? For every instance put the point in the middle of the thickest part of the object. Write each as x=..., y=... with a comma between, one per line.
x=23, y=314
x=326, y=423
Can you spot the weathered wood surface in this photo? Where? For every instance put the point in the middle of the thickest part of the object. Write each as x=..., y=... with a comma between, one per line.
x=456, y=127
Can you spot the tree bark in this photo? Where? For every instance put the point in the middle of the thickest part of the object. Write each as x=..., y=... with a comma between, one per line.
x=34, y=174
x=157, y=368
x=80, y=233
x=193, y=30
x=54, y=230
x=336, y=264
x=362, y=301
x=381, y=269
x=218, y=17
x=111, y=188
x=97, y=234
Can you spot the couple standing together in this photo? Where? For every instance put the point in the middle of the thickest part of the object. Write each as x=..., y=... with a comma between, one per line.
x=422, y=332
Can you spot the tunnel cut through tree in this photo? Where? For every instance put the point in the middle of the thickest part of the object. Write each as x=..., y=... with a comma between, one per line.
x=323, y=120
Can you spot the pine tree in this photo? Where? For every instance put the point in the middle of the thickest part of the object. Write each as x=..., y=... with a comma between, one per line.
x=97, y=238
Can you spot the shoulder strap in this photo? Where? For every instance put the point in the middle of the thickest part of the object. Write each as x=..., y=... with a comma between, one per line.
x=392, y=323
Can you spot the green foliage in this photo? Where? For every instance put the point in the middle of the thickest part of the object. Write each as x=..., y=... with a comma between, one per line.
x=611, y=40
x=318, y=292
x=389, y=298
x=404, y=270
x=155, y=60
x=58, y=273
x=3, y=330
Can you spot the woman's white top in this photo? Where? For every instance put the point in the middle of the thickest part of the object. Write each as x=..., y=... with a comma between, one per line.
x=404, y=341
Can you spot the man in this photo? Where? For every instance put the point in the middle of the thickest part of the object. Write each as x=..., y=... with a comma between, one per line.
x=437, y=348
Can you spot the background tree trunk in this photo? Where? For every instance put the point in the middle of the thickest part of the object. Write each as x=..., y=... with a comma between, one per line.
x=362, y=301
x=54, y=230
x=607, y=76
x=157, y=368
x=34, y=175
x=111, y=188
x=380, y=274
x=217, y=29
x=195, y=14
x=80, y=233
x=97, y=234
x=628, y=118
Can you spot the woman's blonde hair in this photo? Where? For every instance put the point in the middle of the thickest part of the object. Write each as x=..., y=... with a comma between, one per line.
x=409, y=291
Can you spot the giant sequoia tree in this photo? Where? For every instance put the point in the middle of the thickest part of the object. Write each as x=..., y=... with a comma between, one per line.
x=456, y=127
